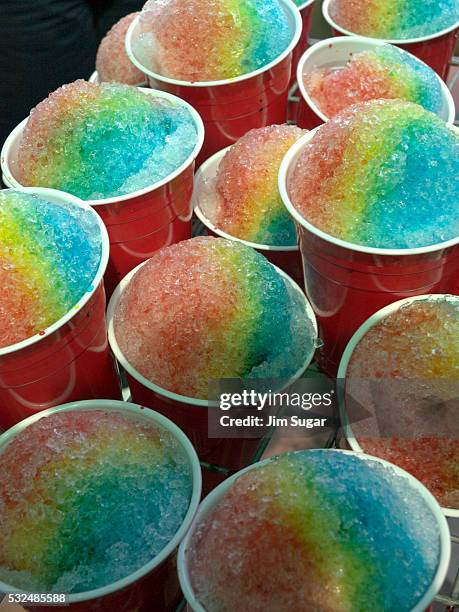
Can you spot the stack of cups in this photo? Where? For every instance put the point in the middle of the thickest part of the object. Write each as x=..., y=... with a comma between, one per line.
x=436, y=50
x=335, y=53
x=69, y=360
x=141, y=222
x=232, y=107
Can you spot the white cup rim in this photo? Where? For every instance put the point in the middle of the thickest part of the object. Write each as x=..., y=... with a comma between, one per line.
x=176, y=397
x=372, y=43
x=288, y=6
x=165, y=423
x=376, y=318
x=288, y=161
x=215, y=495
x=393, y=41
x=199, y=176
x=10, y=179
x=57, y=196
x=305, y=5
x=94, y=78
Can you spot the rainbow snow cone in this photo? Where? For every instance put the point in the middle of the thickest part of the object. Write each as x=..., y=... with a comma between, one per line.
x=395, y=19
x=380, y=185
x=211, y=41
x=95, y=496
x=338, y=72
x=176, y=327
x=385, y=72
x=53, y=336
x=243, y=199
x=201, y=311
x=103, y=141
x=236, y=196
x=231, y=60
x=49, y=254
x=332, y=531
x=128, y=151
x=376, y=213
x=402, y=366
x=112, y=62
x=428, y=29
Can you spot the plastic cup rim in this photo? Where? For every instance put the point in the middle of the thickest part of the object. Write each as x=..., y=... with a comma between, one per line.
x=372, y=43
x=176, y=397
x=393, y=41
x=5, y=152
x=287, y=162
x=215, y=495
x=94, y=78
x=64, y=197
x=288, y=4
x=373, y=320
x=179, y=435
x=201, y=172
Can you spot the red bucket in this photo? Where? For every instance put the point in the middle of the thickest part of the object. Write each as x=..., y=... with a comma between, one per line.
x=70, y=360
x=232, y=107
x=287, y=258
x=154, y=586
x=189, y=413
x=306, y=10
x=140, y=222
x=346, y=283
x=335, y=53
x=435, y=50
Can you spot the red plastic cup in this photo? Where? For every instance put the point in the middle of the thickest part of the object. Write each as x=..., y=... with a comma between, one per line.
x=189, y=413
x=435, y=50
x=346, y=283
x=232, y=107
x=306, y=9
x=287, y=258
x=155, y=585
x=69, y=360
x=335, y=53
x=208, y=504
x=141, y=222
x=344, y=364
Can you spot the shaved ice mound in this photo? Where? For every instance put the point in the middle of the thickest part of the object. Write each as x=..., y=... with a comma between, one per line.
x=49, y=256
x=243, y=198
x=102, y=141
x=411, y=357
x=385, y=72
x=315, y=530
x=211, y=40
x=207, y=309
x=395, y=19
x=87, y=497
x=112, y=62
x=380, y=174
